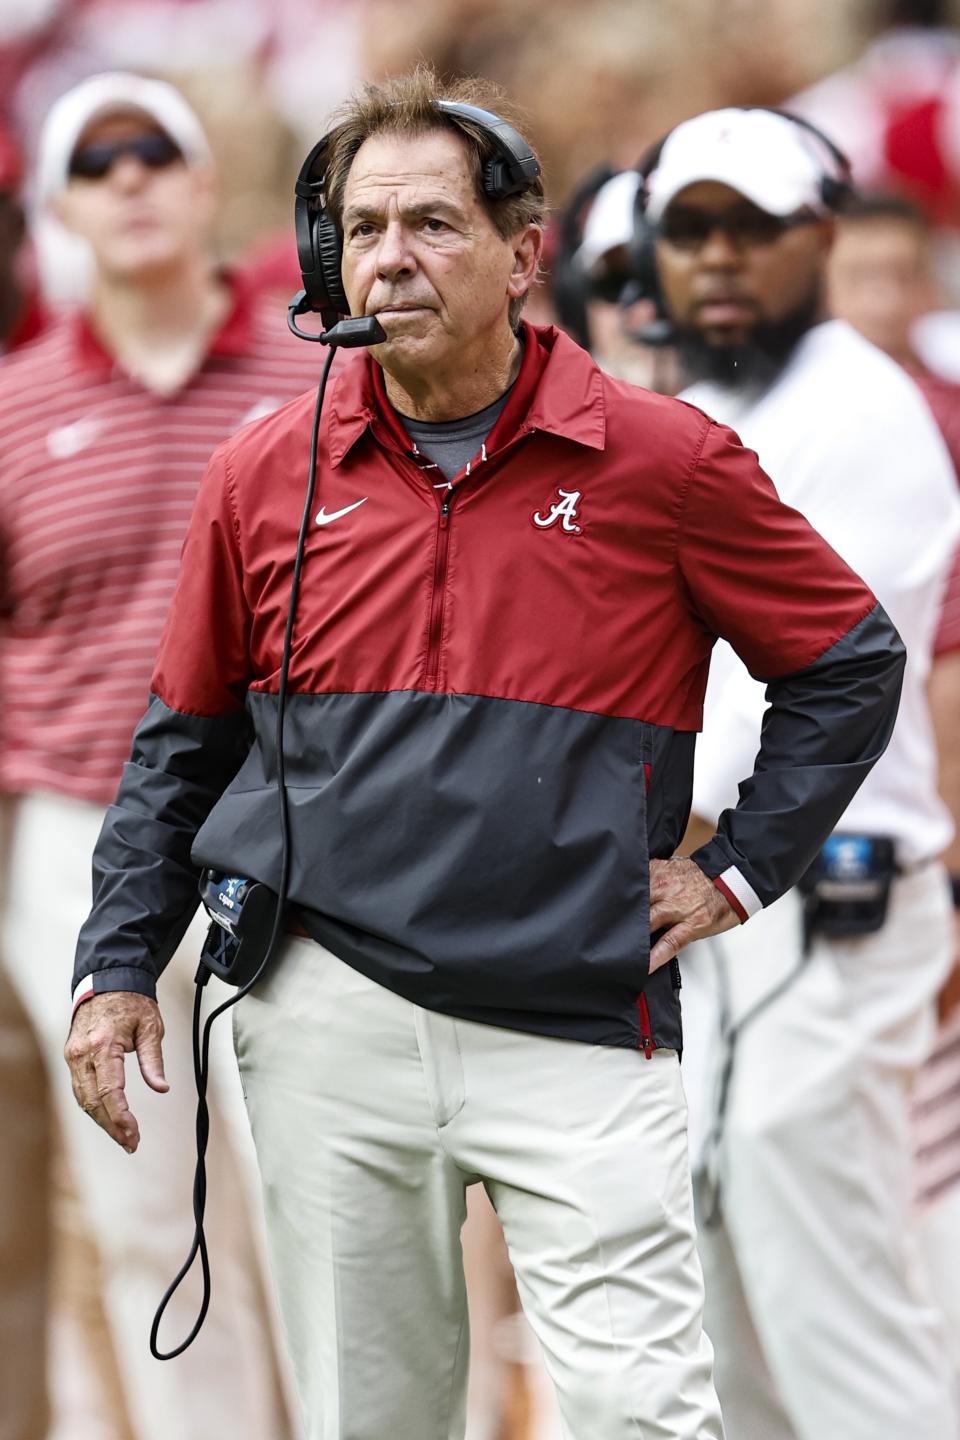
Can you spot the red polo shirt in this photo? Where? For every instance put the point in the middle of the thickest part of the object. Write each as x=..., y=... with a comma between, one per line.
x=97, y=481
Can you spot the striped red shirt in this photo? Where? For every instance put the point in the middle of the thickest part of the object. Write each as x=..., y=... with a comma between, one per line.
x=97, y=481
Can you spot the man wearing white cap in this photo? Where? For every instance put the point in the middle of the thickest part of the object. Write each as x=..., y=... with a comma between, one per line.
x=600, y=264
x=106, y=425
x=822, y=1008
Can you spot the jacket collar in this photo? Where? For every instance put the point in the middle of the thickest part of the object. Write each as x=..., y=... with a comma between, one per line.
x=559, y=389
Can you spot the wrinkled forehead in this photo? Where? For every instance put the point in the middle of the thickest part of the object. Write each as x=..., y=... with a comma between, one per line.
x=431, y=162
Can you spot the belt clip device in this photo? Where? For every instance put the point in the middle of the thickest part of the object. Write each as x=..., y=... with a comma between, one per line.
x=242, y=912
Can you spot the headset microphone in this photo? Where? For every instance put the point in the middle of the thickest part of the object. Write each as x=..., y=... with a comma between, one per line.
x=656, y=333
x=349, y=334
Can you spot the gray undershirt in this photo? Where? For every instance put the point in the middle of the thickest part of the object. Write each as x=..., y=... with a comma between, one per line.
x=449, y=444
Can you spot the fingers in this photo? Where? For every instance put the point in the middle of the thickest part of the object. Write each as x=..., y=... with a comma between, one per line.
x=148, y=1042
x=663, y=913
x=98, y=1090
x=114, y=1114
x=670, y=944
x=686, y=906
x=104, y=1030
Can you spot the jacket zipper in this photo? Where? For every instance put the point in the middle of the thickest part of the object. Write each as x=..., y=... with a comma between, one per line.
x=438, y=596
x=646, y=1032
x=435, y=628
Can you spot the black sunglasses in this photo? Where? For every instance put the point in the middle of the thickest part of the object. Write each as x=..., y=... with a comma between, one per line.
x=93, y=162
x=688, y=229
x=608, y=287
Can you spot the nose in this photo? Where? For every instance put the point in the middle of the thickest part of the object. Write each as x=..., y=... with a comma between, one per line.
x=395, y=257
x=128, y=172
x=718, y=251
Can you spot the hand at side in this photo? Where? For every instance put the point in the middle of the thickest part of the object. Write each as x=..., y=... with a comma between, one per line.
x=686, y=905
x=104, y=1029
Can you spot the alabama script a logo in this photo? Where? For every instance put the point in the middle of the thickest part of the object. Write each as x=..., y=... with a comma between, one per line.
x=563, y=512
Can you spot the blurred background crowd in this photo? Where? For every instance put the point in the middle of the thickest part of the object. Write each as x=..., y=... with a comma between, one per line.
x=599, y=83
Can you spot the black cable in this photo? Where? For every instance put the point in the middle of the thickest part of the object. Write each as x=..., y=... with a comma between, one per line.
x=730, y=1034
x=201, y=1046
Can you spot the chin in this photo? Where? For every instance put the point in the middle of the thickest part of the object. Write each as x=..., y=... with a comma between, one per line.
x=142, y=259
x=418, y=347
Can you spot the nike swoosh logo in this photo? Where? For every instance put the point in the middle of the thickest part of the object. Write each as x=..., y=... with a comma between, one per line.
x=266, y=406
x=324, y=519
x=68, y=440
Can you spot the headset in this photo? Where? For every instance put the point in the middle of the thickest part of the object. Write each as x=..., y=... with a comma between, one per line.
x=246, y=916
x=835, y=190
x=510, y=170
x=570, y=286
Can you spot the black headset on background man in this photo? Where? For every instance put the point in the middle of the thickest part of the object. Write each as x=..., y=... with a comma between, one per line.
x=569, y=282
x=510, y=170
x=835, y=190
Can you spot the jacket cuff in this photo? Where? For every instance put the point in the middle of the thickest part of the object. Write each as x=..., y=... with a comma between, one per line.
x=121, y=977
x=729, y=879
x=741, y=896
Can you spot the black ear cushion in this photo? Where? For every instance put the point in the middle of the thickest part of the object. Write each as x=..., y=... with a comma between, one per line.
x=835, y=192
x=329, y=255
x=643, y=256
x=568, y=283
x=568, y=289
x=309, y=265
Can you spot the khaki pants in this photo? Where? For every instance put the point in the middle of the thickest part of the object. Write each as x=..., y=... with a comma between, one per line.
x=25, y=1137
x=824, y=1321
x=138, y=1208
x=371, y=1117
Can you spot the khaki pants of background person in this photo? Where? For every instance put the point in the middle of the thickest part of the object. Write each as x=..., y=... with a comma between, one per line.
x=936, y=1123
x=138, y=1208
x=25, y=1136
x=824, y=1323
x=371, y=1116
x=509, y=1395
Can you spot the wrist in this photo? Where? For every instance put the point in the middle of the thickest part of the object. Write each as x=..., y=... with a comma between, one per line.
x=81, y=992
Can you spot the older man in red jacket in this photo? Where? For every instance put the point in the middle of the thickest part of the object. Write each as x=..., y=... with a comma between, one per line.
x=515, y=569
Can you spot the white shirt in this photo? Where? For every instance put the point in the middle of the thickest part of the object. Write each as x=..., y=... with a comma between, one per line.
x=848, y=440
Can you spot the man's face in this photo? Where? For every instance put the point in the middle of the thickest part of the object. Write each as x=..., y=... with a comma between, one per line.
x=880, y=280
x=421, y=252
x=139, y=219
x=745, y=271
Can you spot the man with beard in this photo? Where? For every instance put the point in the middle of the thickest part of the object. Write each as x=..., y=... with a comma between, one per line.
x=822, y=1008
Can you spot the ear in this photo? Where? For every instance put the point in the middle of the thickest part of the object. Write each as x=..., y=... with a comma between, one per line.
x=527, y=250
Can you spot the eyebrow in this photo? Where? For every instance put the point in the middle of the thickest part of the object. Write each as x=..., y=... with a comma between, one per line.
x=442, y=208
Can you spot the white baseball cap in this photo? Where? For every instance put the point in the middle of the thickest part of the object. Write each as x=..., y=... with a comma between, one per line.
x=768, y=158
x=103, y=95
x=609, y=223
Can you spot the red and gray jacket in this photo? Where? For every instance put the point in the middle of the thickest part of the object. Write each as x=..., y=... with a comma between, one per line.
x=494, y=696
